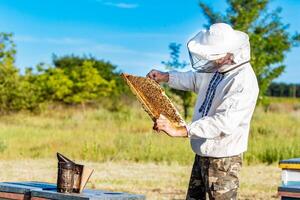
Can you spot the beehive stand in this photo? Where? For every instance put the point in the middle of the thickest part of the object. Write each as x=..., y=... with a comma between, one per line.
x=47, y=191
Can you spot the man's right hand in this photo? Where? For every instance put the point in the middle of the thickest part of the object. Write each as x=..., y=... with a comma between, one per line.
x=158, y=76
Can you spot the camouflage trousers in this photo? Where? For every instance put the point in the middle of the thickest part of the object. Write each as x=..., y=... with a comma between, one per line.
x=214, y=178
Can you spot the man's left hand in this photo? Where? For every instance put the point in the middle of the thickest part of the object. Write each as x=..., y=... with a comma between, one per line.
x=163, y=124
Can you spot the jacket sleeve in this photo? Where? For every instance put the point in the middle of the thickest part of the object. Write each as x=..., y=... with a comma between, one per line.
x=183, y=80
x=237, y=104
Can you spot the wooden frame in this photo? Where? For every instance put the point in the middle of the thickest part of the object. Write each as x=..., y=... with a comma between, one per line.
x=153, y=98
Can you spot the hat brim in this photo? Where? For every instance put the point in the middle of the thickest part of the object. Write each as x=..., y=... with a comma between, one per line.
x=238, y=40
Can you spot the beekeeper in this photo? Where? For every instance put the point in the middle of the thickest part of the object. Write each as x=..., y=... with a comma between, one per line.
x=227, y=92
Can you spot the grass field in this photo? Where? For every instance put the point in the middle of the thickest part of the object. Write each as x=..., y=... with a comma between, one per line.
x=129, y=156
x=102, y=135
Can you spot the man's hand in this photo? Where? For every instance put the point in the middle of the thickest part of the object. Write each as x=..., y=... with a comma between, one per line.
x=158, y=76
x=163, y=124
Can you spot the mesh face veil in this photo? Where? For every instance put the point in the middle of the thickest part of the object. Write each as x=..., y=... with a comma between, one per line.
x=204, y=65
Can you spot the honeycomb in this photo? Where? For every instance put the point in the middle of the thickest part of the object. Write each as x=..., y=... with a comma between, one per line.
x=153, y=99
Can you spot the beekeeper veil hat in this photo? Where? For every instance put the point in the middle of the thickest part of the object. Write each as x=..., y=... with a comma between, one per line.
x=214, y=43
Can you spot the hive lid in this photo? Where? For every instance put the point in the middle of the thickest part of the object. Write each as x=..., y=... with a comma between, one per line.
x=153, y=98
x=292, y=188
x=290, y=164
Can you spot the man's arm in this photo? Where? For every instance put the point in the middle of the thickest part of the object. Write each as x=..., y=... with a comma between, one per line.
x=178, y=80
x=238, y=104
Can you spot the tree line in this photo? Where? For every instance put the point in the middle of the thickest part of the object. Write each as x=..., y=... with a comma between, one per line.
x=70, y=80
x=284, y=90
x=78, y=80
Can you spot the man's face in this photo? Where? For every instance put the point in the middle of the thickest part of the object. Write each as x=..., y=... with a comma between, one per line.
x=226, y=60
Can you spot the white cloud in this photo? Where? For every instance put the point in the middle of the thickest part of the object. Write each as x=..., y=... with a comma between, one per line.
x=49, y=40
x=85, y=45
x=122, y=50
x=128, y=59
x=119, y=4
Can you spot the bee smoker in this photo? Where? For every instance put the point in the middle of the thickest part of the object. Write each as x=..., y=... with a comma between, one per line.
x=71, y=177
x=65, y=177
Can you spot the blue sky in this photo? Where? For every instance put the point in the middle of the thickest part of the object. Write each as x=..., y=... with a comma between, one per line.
x=133, y=34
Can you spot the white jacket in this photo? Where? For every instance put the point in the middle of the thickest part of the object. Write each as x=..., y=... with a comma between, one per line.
x=224, y=129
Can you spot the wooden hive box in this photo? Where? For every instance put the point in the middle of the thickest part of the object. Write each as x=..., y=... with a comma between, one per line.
x=153, y=98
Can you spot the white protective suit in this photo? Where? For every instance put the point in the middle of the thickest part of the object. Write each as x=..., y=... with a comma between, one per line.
x=224, y=107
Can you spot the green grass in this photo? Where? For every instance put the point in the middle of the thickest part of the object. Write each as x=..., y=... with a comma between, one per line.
x=274, y=136
x=102, y=135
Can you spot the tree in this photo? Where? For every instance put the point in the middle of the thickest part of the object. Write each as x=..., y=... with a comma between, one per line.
x=88, y=84
x=16, y=92
x=52, y=84
x=174, y=63
x=105, y=69
x=73, y=84
x=269, y=37
x=72, y=80
x=9, y=74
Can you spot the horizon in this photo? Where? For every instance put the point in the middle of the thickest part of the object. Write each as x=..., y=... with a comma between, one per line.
x=125, y=33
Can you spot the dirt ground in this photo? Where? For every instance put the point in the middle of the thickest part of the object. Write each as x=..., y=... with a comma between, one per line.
x=156, y=181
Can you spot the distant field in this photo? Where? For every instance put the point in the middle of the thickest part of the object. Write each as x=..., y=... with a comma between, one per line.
x=284, y=104
x=285, y=100
x=102, y=135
